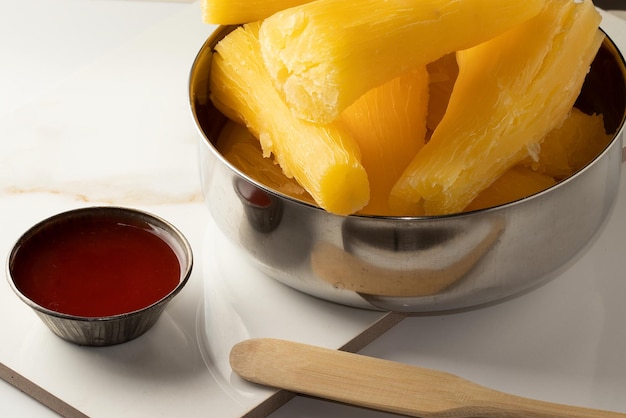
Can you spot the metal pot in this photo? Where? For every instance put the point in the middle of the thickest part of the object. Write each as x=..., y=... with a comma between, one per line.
x=417, y=264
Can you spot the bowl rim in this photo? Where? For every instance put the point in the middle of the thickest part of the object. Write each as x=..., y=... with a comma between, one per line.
x=117, y=211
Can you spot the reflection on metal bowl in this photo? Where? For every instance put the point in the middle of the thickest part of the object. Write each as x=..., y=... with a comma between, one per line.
x=415, y=264
x=417, y=260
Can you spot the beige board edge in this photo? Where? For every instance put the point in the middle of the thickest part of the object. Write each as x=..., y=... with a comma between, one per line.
x=38, y=393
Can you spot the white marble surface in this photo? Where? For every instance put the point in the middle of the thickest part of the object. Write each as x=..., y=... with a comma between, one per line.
x=94, y=111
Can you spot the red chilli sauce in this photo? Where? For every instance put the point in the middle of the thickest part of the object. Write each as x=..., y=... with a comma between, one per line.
x=96, y=268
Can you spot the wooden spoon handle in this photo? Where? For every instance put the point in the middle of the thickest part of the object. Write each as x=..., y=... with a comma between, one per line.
x=382, y=384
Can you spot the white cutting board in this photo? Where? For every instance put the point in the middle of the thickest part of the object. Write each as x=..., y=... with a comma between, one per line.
x=116, y=130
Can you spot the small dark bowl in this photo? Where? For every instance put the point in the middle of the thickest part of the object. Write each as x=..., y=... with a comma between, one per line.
x=108, y=329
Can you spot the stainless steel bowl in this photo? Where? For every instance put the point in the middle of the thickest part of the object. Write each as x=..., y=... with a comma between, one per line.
x=416, y=264
x=114, y=329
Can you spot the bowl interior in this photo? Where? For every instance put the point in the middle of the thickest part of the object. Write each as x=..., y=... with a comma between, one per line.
x=604, y=92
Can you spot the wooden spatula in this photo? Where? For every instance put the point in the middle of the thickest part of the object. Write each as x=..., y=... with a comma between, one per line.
x=382, y=384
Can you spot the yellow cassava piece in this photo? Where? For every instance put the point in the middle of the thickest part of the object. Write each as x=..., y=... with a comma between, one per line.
x=231, y=12
x=510, y=92
x=571, y=146
x=243, y=150
x=324, y=159
x=325, y=54
x=389, y=124
x=516, y=183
